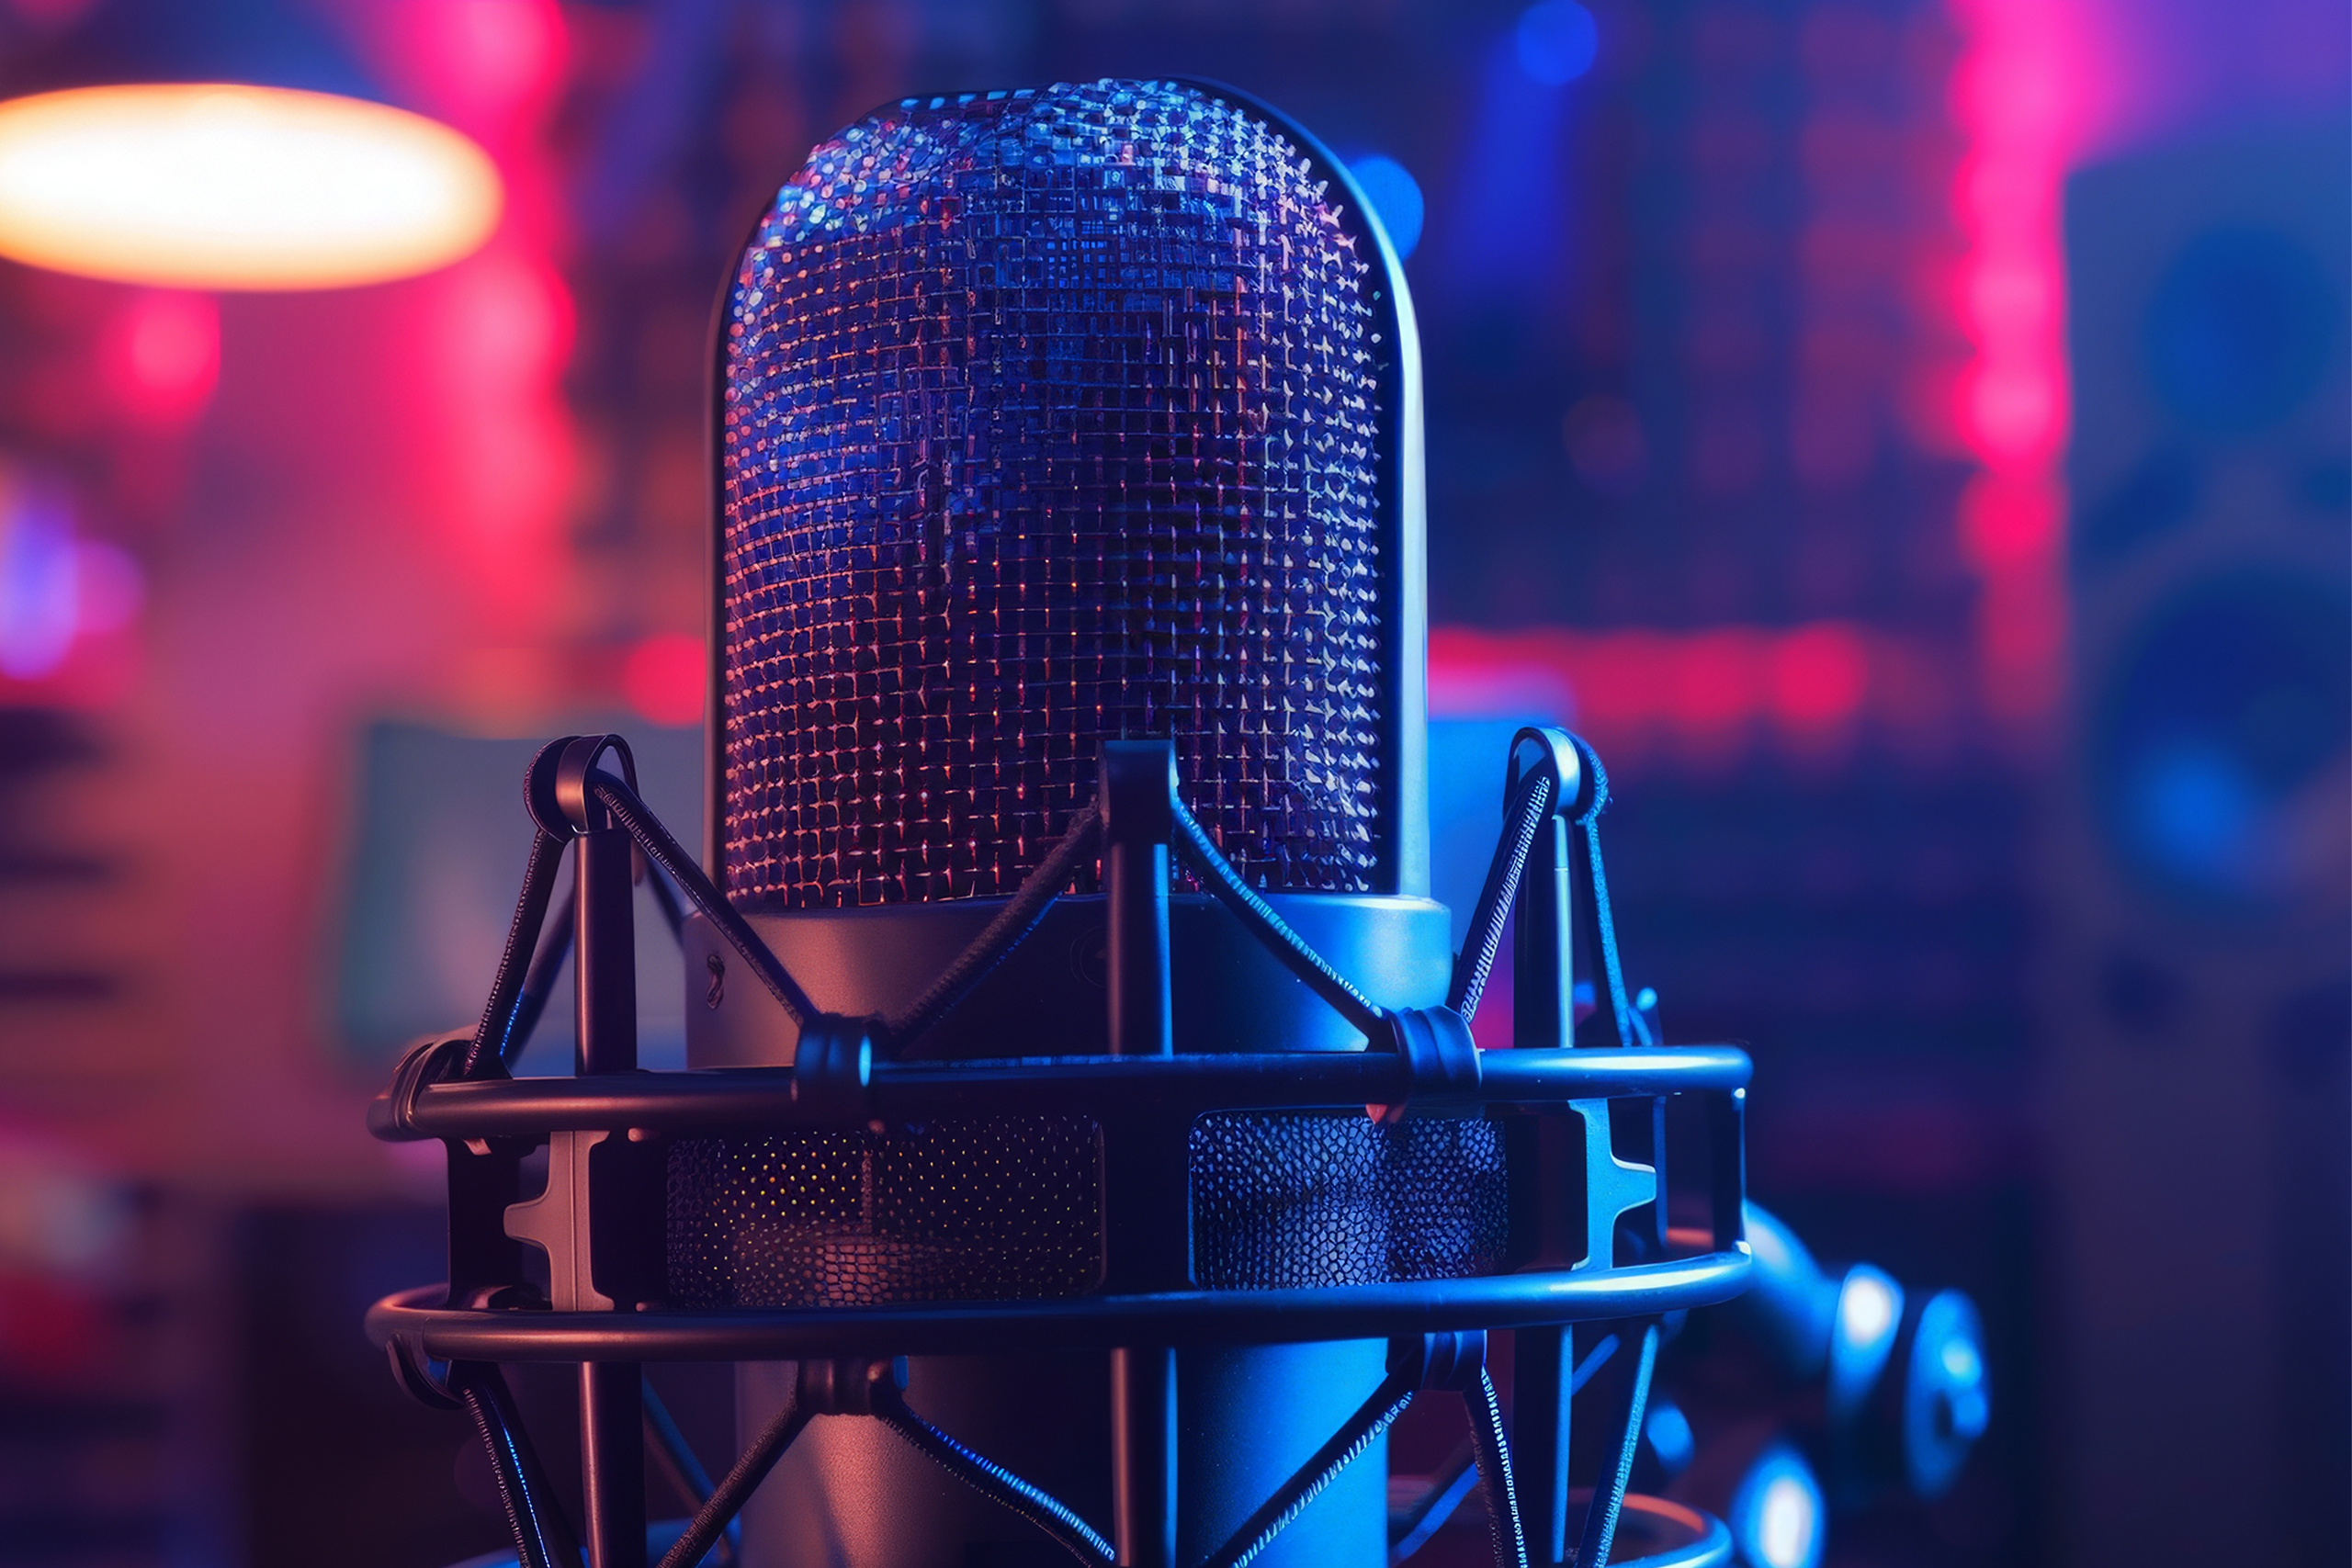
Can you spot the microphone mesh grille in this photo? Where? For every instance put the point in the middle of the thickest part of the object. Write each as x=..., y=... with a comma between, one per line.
x=1049, y=418
x=1009, y=1209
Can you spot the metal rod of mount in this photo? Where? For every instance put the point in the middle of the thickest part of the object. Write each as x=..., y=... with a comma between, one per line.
x=1146, y=1216
x=612, y=1410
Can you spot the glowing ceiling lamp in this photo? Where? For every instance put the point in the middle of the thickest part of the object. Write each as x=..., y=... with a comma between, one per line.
x=218, y=185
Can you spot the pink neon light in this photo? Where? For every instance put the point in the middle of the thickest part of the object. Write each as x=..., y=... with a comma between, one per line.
x=2009, y=523
x=1705, y=687
x=493, y=334
x=489, y=67
x=161, y=356
x=500, y=335
x=2016, y=96
x=491, y=55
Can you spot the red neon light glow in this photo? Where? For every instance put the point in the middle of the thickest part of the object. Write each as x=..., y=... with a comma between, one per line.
x=664, y=678
x=1818, y=675
x=1714, y=679
x=2009, y=523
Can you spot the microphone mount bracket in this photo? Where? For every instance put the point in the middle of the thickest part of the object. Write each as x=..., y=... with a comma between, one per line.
x=1441, y=1062
x=1453, y=1361
x=832, y=1070
x=559, y=788
x=851, y=1385
x=1577, y=1252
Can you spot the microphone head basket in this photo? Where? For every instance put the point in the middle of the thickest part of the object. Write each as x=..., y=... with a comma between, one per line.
x=1047, y=417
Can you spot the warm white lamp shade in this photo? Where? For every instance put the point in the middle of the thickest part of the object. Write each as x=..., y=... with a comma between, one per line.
x=218, y=185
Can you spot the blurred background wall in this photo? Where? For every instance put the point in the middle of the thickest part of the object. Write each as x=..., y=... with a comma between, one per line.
x=1832, y=413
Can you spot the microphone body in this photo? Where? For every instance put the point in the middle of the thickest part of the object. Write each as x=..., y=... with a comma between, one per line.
x=1051, y=420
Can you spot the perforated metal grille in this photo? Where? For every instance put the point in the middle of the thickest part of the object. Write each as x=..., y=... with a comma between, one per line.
x=1012, y=1208
x=955, y=1211
x=1306, y=1199
x=1049, y=418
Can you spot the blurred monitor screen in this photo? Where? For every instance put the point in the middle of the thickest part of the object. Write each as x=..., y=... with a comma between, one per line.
x=438, y=841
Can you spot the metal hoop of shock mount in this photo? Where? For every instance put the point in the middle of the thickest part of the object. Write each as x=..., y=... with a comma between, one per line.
x=1592, y=1233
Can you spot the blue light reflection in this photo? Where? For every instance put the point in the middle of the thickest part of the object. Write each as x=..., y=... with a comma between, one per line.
x=1395, y=194
x=1556, y=42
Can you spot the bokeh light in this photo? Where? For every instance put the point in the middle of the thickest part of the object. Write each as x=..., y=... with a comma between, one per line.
x=161, y=355
x=1395, y=194
x=218, y=185
x=1786, y=1521
x=1865, y=1309
x=56, y=588
x=37, y=585
x=1557, y=41
x=664, y=678
x=1776, y=1511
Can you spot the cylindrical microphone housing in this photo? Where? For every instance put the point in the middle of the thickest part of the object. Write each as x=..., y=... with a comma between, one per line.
x=1047, y=420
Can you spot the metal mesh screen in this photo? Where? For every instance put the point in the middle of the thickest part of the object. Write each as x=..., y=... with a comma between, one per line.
x=956, y=1211
x=1050, y=417
x=1307, y=1199
x=1009, y=1210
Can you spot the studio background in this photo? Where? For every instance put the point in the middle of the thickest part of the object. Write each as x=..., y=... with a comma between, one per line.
x=1831, y=413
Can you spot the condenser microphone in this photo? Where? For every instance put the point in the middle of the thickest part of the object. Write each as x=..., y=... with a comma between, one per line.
x=1052, y=420
x=1084, y=1152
